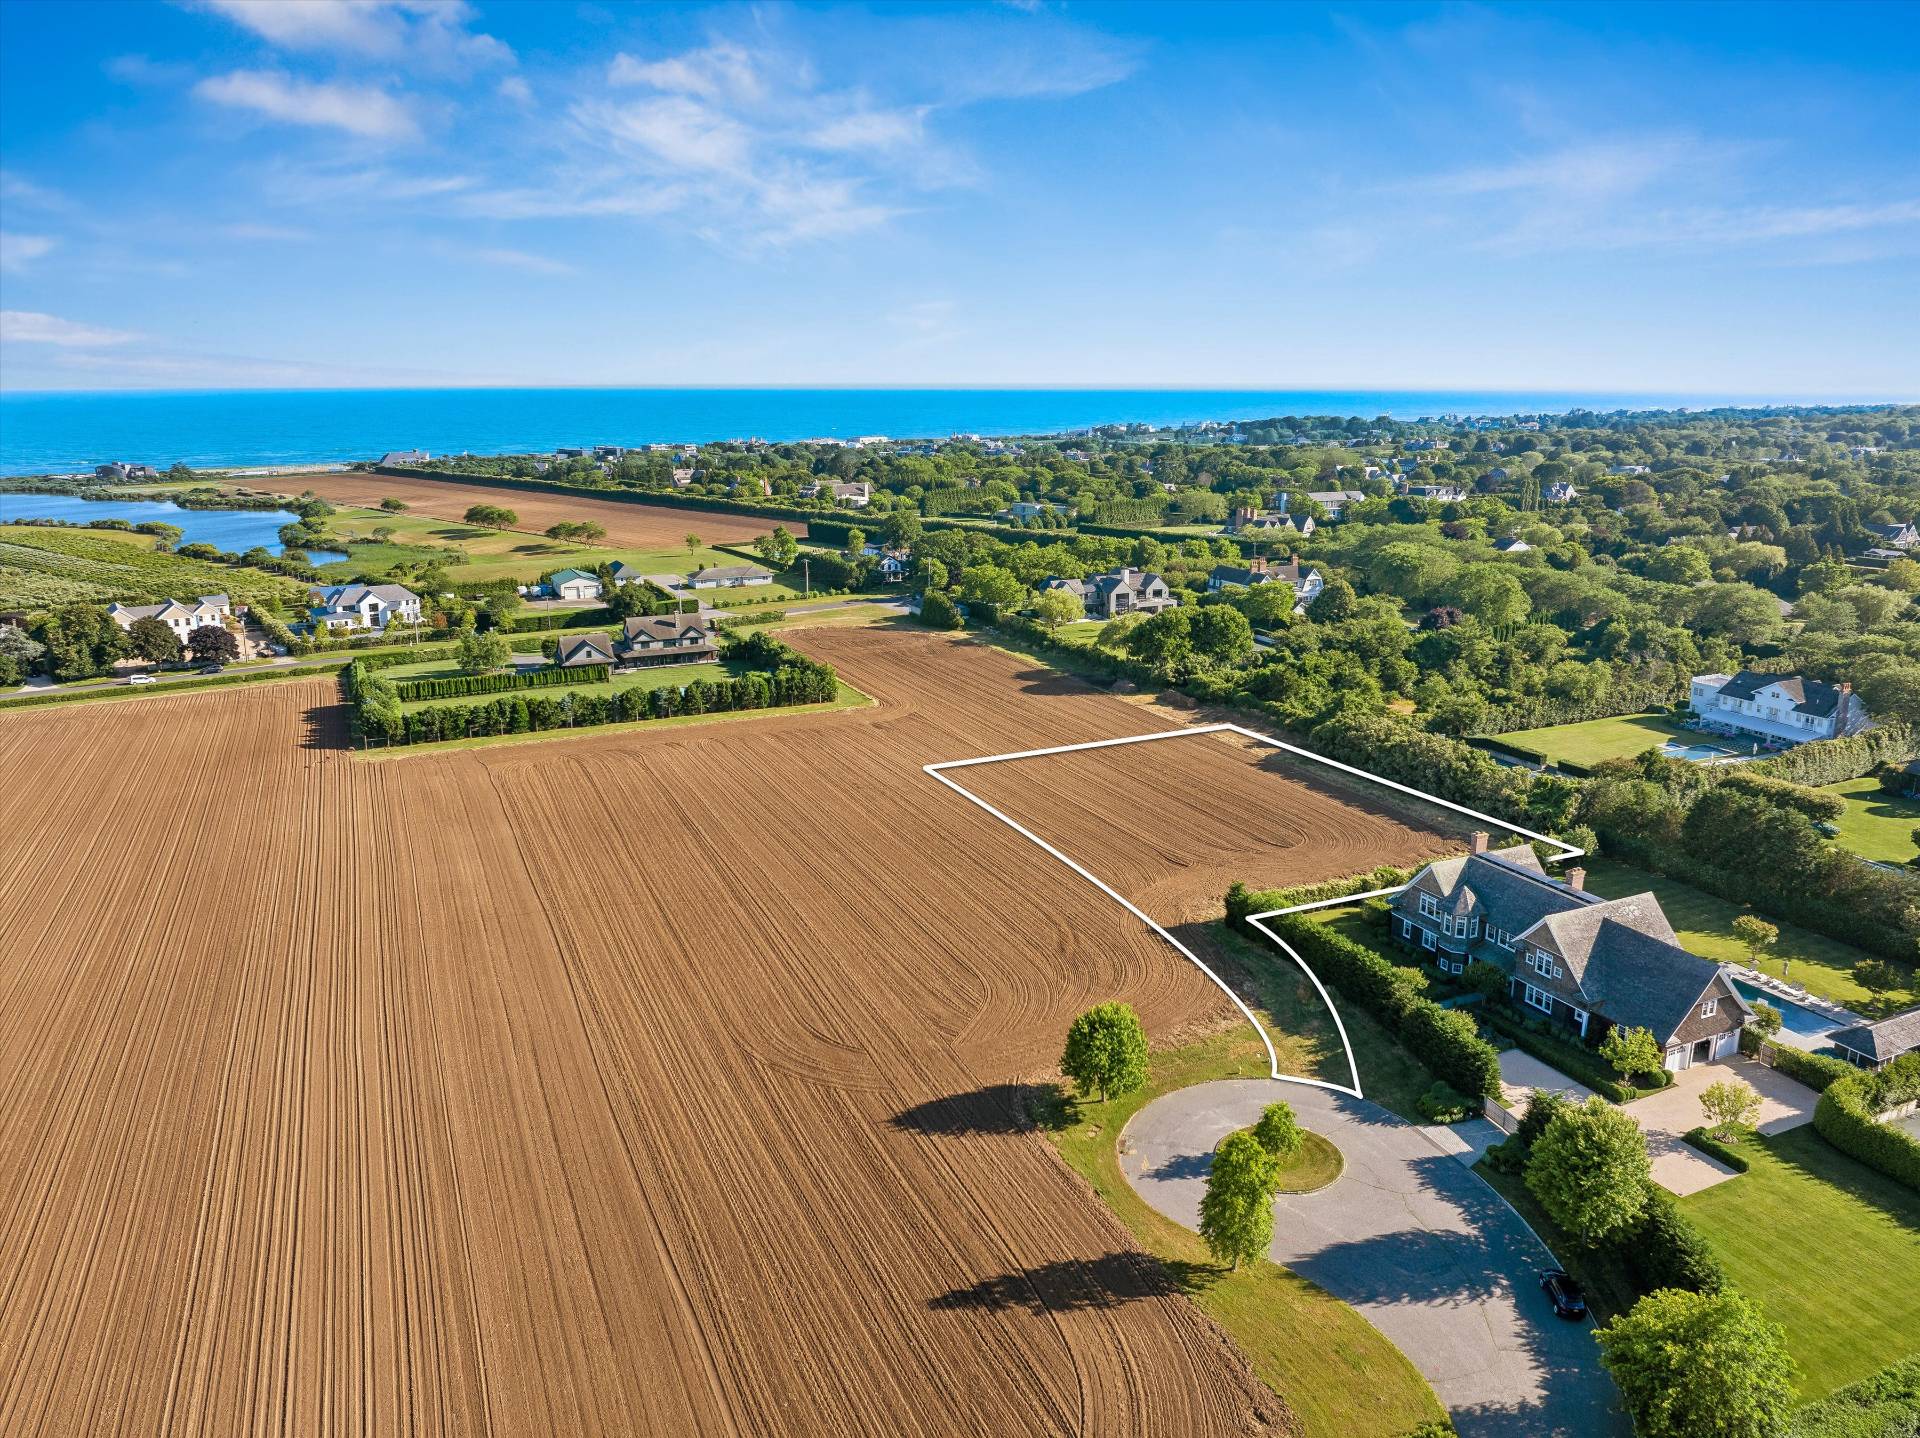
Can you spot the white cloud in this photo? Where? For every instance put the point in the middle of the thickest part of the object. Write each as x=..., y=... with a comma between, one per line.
x=678, y=132
x=22, y=191
x=433, y=31
x=29, y=327
x=18, y=252
x=872, y=130
x=722, y=70
x=358, y=109
x=515, y=89
x=145, y=70
x=517, y=260
x=266, y=234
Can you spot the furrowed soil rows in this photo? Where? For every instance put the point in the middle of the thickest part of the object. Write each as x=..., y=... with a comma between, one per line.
x=1171, y=824
x=636, y=1083
x=630, y=526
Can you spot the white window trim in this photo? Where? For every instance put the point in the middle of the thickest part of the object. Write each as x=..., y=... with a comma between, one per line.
x=1709, y=1008
x=1427, y=941
x=1538, y=998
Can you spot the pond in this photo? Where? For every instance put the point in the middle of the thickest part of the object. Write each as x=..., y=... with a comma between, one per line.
x=231, y=530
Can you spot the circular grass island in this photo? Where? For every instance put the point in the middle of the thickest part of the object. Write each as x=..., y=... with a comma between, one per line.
x=1310, y=1168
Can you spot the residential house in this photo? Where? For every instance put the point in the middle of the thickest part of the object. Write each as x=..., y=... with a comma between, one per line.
x=1439, y=493
x=1586, y=963
x=405, y=458
x=1630, y=469
x=117, y=470
x=570, y=451
x=857, y=495
x=1512, y=545
x=574, y=584
x=1875, y=1045
x=1336, y=502
x=1306, y=583
x=1268, y=522
x=682, y=478
x=1561, y=492
x=1782, y=708
x=1902, y=535
x=361, y=606
x=181, y=618
x=893, y=565
x=625, y=574
x=655, y=639
x=729, y=576
x=1117, y=592
x=583, y=651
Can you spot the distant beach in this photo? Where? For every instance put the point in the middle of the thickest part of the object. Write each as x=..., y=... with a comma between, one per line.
x=47, y=432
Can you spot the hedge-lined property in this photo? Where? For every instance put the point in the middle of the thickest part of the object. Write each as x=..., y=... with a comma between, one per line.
x=1884, y=1405
x=1447, y=1041
x=783, y=677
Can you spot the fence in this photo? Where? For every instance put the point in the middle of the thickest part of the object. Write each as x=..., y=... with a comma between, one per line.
x=1503, y=1117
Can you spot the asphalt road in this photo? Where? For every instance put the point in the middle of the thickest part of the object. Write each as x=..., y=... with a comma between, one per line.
x=1415, y=1241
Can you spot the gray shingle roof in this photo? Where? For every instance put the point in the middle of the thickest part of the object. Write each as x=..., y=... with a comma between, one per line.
x=1885, y=1040
x=1810, y=696
x=581, y=650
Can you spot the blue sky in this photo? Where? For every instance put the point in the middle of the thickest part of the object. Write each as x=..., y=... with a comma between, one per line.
x=214, y=193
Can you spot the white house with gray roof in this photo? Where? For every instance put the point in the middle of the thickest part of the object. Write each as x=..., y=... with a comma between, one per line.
x=1875, y=1045
x=1117, y=592
x=361, y=606
x=180, y=617
x=1780, y=708
x=1585, y=962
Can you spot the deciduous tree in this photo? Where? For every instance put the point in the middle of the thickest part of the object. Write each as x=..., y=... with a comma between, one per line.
x=482, y=652
x=491, y=516
x=1058, y=606
x=1729, y=1103
x=1106, y=1051
x=1631, y=1051
x=1700, y=1365
x=1590, y=1171
x=1236, y=1212
x=151, y=640
x=1278, y=1131
x=213, y=644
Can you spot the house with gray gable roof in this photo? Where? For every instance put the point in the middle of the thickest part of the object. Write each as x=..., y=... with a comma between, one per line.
x=1875, y=1045
x=1780, y=708
x=1584, y=962
x=361, y=606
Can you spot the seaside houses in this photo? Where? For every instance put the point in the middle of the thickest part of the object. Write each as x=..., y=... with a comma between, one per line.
x=361, y=606
x=1777, y=708
x=1305, y=583
x=1117, y=592
x=1584, y=963
x=181, y=618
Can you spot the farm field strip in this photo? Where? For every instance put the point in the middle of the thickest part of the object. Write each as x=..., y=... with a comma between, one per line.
x=644, y=1083
x=1185, y=790
x=628, y=525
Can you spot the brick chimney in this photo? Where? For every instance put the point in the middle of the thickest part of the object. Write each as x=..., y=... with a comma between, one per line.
x=1257, y=565
x=1479, y=841
x=1576, y=878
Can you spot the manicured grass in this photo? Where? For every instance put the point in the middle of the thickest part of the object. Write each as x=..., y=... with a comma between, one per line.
x=1337, y=1371
x=1314, y=1165
x=1830, y=1248
x=847, y=697
x=1704, y=924
x=661, y=677
x=1597, y=739
x=1876, y=825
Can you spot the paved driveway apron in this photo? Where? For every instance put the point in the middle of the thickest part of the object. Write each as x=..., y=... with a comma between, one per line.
x=1417, y=1243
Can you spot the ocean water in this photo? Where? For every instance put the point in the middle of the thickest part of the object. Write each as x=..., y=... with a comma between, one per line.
x=232, y=530
x=64, y=432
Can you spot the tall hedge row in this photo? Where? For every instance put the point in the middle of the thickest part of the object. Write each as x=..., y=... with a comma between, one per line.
x=1847, y=1117
x=461, y=686
x=1834, y=761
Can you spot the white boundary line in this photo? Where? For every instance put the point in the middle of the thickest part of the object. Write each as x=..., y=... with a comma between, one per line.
x=937, y=771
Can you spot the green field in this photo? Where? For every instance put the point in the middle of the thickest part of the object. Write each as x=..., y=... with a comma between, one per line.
x=1876, y=825
x=1704, y=924
x=1597, y=739
x=44, y=565
x=659, y=677
x=1830, y=1248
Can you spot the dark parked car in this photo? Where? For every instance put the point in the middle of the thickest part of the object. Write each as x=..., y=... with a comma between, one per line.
x=1568, y=1301
x=211, y=668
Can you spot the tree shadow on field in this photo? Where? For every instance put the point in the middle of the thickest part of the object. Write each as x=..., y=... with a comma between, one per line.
x=1003, y=1108
x=1068, y=1284
x=325, y=726
x=1052, y=681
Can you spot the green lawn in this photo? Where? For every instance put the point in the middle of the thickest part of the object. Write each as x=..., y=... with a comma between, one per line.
x=1876, y=825
x=656, y=678
x=1828, y=1246
x=1704, y=924
x=1597, y=739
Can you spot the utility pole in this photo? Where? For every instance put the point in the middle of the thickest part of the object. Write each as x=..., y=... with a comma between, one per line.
x=806, y=577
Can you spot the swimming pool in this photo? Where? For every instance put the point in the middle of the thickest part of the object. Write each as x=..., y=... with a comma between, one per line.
x=1793, y=1016
x=1694, y=753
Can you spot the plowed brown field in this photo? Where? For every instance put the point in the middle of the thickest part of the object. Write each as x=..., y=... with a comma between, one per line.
x=632, y=526
x=640, y=1083
x=1170, y=824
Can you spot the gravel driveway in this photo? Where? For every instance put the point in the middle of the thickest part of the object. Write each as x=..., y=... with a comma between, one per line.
x=1417, y=1243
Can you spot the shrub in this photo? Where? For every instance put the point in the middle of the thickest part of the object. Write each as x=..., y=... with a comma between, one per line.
x=1816, y=1071
x=938, y=611
x=1712, y=1147
x=1443, y=1103
x=1692, y=1364
x=1574, y=1060
x=1591, y=1173
x=1882, y=1405
x=1278, y=1131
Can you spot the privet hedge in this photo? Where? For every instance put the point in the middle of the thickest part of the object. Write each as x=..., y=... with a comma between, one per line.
x=1445, y=1040
x=1847, y=1117
x=461, y=686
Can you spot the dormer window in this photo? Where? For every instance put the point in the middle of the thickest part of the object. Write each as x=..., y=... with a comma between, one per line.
x=1709, y=1008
